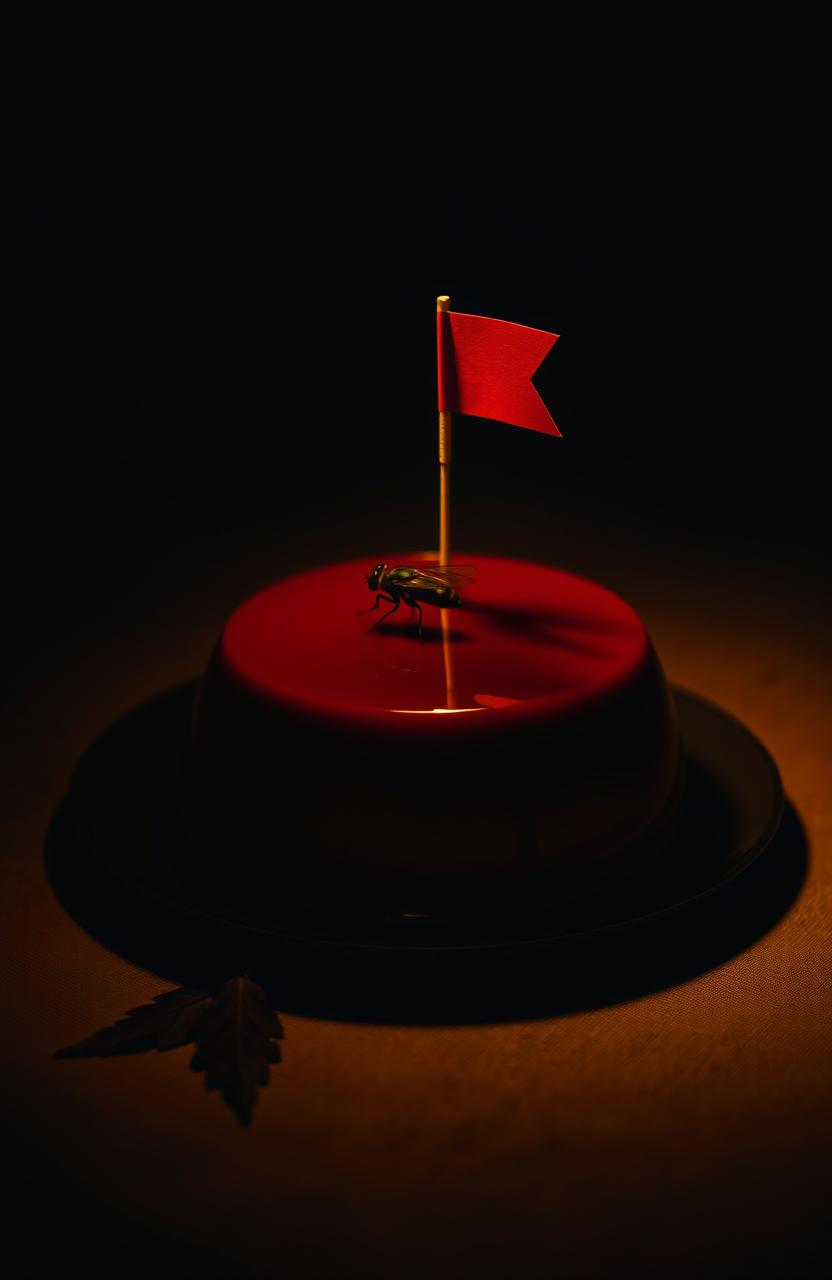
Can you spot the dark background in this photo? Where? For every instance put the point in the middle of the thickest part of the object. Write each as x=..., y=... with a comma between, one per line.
x=227, y=317
x=224, y=370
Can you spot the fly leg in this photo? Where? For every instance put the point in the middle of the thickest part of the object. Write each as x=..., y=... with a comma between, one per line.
x=379, y=596
x=414, y=604
x=396, y=602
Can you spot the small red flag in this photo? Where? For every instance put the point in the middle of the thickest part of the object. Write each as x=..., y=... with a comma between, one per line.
x=486, y=367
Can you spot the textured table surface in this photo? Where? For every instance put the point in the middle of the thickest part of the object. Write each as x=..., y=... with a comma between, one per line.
x=683, y=1130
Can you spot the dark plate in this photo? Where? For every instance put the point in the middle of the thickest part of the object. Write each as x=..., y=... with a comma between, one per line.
x=119, y=804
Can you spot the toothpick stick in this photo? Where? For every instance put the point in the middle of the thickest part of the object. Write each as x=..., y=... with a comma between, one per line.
x=443, y=303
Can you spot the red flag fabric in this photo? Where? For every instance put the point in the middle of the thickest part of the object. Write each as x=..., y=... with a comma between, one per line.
x=486, y=367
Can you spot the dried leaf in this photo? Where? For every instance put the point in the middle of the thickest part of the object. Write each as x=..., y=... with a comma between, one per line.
x=236, y=1033
x=237, y=1038
x=168, y=1022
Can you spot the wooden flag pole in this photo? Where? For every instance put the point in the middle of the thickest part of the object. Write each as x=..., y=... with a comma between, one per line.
x=443, y=303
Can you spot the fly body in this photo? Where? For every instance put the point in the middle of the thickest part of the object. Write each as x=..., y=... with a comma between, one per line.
x=434, y=584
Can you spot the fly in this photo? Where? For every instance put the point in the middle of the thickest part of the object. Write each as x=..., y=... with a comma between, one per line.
x=435, y=584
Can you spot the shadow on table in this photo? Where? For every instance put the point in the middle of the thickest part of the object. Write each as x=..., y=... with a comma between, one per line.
x=425, y=988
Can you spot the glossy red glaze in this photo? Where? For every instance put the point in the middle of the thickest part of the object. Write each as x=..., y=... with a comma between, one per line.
x=327, y=766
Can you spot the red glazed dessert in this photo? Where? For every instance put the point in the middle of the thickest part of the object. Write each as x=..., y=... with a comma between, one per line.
x=534, y=752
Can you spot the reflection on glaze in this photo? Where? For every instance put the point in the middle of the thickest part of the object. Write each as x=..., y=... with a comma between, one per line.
x=493, y=701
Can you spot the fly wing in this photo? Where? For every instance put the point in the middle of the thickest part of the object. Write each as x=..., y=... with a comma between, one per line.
x=406, y=576
x=455, y=574
x=429, y=578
